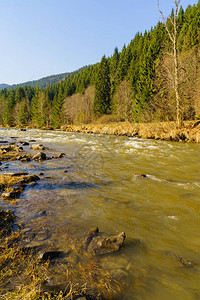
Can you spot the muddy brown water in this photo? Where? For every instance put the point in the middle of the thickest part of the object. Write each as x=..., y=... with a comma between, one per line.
x=98, y=183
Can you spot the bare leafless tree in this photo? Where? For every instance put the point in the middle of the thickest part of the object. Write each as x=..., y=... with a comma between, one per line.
x=174, y=37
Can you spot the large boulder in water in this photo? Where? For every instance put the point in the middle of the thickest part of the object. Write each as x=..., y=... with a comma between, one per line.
x=98, y=245
x=40, y=156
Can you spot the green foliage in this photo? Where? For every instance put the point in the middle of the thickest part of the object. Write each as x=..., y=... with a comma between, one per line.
x=133, y=72
x=57, y=108
x=102, y=89
x=9, y=106
x=24, y=113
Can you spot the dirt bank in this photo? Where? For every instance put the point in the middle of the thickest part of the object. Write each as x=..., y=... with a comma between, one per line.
x=189, y=132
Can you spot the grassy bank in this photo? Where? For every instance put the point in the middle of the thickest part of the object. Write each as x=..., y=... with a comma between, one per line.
x=189, y=132
x=168, y=131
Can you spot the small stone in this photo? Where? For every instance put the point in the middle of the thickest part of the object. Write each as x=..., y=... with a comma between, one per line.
x=25, y=159
x=19, y=157
x=30, y=179
x=49, y=255
x=141, y=176
x=14, y=193
x=6, y=149
x=60, y=155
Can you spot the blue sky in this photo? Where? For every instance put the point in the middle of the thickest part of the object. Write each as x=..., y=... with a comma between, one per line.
x=44, y=37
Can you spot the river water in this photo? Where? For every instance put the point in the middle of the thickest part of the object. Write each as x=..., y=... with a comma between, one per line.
x=99, y=183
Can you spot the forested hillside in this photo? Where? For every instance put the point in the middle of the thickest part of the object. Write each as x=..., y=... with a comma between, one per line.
x=4, y=86
x=134, y=85
x=41, y=83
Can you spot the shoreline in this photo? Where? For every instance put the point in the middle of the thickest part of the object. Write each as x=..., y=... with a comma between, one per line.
x=167, y=131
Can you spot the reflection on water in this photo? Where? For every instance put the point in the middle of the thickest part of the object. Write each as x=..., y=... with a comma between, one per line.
x=99, y=183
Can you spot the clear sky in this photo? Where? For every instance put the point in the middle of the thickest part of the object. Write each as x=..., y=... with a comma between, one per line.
x=44, y=37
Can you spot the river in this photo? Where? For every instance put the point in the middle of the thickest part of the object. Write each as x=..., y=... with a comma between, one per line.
x=99, y=183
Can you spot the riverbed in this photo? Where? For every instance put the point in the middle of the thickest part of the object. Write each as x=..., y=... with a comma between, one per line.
x=146, y=188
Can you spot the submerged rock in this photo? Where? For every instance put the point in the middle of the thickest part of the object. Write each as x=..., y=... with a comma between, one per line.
x=55, y=288
x=142, y=176
x=6, y=220
x=60, y=155
x=40, y=156
x=89, y=236
x=49, y=255
x=184, y=261
x=14, y=193
x=100, y=245
x=23, y=158
x=37, y=147
x=30, y=179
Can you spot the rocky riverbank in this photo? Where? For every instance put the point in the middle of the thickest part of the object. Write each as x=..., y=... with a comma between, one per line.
x=189, y=132
x=34, y=270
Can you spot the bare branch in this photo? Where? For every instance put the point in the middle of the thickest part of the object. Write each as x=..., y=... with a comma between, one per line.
x=177, y=5
x=170, y=35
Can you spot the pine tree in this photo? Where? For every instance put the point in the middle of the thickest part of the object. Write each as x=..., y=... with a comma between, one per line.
x=122, y=67
x=114, y=62
x=57, y=108
x=8, y=117
x=24, y=112
x=102, y=89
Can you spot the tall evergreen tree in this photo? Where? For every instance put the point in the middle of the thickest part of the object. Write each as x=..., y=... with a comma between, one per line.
x=8, y=117
x=57, y=108
x=102, y=89
x=24, y=112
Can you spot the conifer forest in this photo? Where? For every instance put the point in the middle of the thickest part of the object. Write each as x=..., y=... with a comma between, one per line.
x=134, y=85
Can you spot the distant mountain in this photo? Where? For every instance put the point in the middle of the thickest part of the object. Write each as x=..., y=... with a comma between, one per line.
x=4, y=86
x=43, y=82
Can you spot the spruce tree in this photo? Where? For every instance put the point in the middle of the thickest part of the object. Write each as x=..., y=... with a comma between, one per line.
x=57, y=108
x=102, y=89
x=8, y=117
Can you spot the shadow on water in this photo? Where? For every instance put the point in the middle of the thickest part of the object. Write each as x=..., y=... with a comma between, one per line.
x=53, y=168
x=68, y=185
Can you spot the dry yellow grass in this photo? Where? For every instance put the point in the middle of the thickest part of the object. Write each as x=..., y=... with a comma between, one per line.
x=24, y=273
